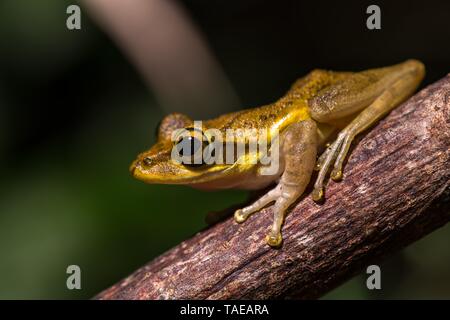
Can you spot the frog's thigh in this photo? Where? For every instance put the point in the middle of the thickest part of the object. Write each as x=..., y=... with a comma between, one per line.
x=355, y=92
x=389, y=98
x=299, y=148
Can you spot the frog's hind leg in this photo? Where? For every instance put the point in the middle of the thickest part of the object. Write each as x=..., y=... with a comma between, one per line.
x=398, y=83
x=299, y=148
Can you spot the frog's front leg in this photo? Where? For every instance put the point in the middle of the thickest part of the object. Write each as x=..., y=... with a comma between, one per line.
x=376, y=92
x=299, y=148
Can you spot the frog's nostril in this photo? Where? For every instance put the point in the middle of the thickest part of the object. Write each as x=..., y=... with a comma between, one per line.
x=147, y=161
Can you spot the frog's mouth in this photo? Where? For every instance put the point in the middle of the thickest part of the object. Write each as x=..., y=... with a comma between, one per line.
x=171, y=173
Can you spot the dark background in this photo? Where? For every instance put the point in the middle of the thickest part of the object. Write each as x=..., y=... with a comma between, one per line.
x=74, y=113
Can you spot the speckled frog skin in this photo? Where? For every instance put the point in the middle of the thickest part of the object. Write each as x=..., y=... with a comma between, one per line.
x=322, y=112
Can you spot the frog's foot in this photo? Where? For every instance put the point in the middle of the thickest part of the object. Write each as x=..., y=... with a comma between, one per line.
x=283, y=198
x=241, y=215
x=274, y=240
x=336, y=154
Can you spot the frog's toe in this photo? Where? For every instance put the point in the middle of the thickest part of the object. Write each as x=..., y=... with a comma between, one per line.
x=242, y=214
x=239, y=216
x=317, y=194
x=321, y=160
x=336, y=174
x=331, y=155
x=274, y=240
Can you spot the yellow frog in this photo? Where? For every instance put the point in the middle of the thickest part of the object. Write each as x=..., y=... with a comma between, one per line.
x=324, y=110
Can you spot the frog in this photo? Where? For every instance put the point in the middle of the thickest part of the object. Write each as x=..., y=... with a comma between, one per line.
x=316, y=122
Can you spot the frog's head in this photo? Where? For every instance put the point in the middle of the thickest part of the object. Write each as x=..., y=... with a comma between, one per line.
x=159, y=166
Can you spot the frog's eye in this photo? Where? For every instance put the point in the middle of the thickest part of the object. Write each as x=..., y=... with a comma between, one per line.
x=190, y=147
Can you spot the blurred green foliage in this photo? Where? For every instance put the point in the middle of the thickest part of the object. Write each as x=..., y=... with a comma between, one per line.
x=66, y=196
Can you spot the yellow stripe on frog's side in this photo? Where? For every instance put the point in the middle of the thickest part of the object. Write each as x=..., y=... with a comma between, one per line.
x=297, y=113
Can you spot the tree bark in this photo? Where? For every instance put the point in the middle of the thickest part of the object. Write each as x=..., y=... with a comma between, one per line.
x=396, y=189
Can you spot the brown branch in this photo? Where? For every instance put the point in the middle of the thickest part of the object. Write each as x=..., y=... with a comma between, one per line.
x=396, y=190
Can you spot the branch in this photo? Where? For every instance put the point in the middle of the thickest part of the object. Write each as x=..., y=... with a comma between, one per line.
x=396, y=189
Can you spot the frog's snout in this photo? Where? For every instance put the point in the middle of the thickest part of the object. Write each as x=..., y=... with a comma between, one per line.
x=133, y=167
x=142, y=162
x=138, y=164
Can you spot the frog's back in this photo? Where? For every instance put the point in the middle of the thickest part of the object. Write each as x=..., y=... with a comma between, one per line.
x=292, y=107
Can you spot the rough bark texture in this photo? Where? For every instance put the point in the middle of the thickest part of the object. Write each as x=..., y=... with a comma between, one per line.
x=396, y=189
